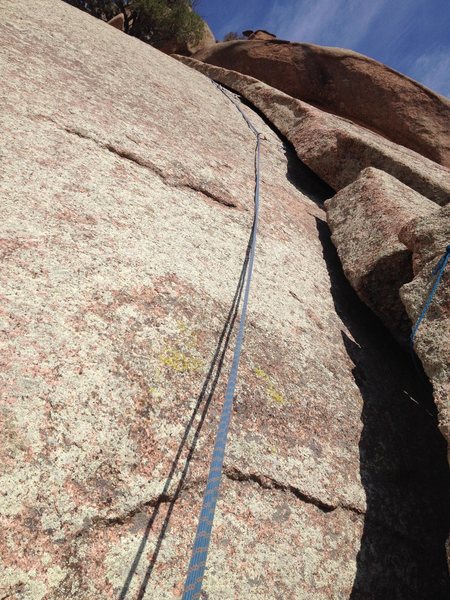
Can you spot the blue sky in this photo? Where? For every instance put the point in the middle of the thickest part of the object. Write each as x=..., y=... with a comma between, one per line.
x=411, y=36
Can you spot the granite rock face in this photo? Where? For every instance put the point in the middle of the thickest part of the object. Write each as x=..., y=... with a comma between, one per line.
x=336, y=149
x=427, y=238
x=127, y=205
x=332, y=78
x=365, y=219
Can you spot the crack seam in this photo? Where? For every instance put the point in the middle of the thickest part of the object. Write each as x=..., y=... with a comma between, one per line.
x=121, y=519
x=269, y=483
x=137, y=160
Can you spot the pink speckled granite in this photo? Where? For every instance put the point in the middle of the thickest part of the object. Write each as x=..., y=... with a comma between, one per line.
x=336, y=149
x=365, y=219
x=427, y=238
x=126, y=182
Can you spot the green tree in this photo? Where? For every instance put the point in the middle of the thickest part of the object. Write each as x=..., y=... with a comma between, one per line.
x=159, y=21
x=153, y=21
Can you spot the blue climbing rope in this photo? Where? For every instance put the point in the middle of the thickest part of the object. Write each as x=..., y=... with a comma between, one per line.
x=439, y=272
x=197, y=565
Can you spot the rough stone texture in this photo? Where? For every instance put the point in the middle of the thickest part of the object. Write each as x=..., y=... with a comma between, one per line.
x=336, y=149
x=365, y=219
x=126, y=211
x=399, y=108
x=207, y=41
x=427, y=239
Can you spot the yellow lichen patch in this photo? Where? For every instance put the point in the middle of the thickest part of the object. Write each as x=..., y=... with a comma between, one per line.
x=181, y=353
x=182, y=327
x=276, y=396
x=188, y=336
x=262, y=374
x=180, y=361
x=271, y=390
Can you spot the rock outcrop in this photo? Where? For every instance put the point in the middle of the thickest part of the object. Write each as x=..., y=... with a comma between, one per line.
x=332, y=78
x=206, y=41
x=259, y=34
x=365, y=219
x=118, y=22
x=336, y=149
x=428, y=238
x=127, y=206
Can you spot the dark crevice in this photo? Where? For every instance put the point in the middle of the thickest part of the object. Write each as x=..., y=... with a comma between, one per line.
x=121, y=519
x=403, y=465
x=299, y=174
x=303, y=178
x=211, y=195
x=171, y=181
x=268, y=483
x=132, y=157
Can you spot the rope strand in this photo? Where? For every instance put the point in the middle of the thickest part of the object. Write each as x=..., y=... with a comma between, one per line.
x=439, y=272
x=197, y=565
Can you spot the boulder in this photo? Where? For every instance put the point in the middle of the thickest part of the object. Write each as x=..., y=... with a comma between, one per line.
x=118, y=22
x=365, y=219
x=427, y=238
x=336, y=149
x=259, y=34
x=207, y=40
x=388, y=102
x=127, y=207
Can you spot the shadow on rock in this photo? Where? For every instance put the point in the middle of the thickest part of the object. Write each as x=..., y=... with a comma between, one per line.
x=403, y=463
x=305, y=180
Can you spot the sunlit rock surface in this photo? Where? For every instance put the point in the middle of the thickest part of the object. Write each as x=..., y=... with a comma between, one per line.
x=127, y=191
x=365, y=219
x=348, y=84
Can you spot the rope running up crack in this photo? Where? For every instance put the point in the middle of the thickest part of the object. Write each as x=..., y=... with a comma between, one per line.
x=439, y=272
x=197, y=565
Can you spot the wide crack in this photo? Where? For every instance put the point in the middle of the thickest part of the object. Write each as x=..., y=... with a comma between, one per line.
x=403, y=464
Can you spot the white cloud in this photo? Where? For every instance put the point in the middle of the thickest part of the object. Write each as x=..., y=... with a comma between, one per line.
x=334, y=22
x=433, y=70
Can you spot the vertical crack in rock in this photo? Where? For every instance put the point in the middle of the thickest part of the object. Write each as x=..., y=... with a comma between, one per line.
x=402, y=454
